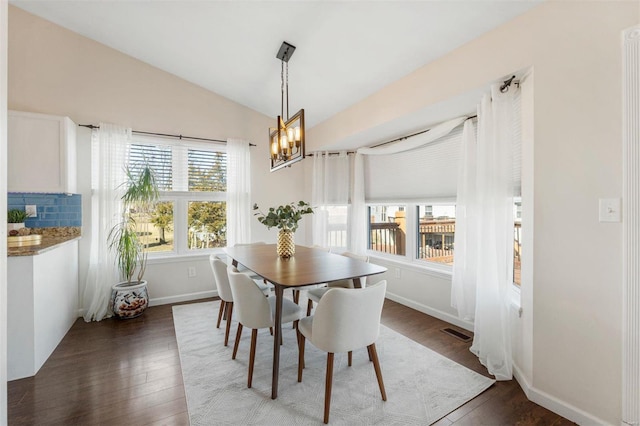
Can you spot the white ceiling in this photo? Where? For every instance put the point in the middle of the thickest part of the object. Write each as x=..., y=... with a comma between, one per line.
x=346, y=50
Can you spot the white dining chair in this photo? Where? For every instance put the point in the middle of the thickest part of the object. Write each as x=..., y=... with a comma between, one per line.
x=255, y=311
x=221, y=277
x=315, y=294
x=345, y=319
x=245, y=270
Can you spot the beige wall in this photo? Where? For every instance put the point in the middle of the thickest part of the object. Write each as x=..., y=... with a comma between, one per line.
x=56, y=71
x=574, y=49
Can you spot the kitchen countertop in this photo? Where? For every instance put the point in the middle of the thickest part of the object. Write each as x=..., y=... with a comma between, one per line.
x=51, y=239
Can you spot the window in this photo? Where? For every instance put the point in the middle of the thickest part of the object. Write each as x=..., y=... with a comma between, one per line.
x=387, y=229
x=517, y=239
x=191, y=213
x=421, y=230
x=337, y=217
x=436, y=226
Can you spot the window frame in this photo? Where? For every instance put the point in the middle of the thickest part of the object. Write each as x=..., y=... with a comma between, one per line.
x=410, y=258
x=181, y=199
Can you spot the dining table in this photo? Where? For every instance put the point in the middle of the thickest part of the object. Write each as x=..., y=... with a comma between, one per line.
x=308, y=266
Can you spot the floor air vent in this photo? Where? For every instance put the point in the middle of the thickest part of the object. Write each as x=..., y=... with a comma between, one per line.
x=457, y=334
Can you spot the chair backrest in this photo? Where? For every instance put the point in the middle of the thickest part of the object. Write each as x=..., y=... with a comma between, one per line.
x=250, y=305
x=364, y=258
x=349, y=283
x=257, y=243
x=348, y=319
x=219, y=269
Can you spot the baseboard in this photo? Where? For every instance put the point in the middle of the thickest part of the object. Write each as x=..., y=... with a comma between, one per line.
x=554, y=404
x=172, y=299
x=182, y=298
x=430, y=311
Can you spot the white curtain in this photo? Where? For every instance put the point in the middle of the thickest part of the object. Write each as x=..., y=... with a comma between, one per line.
x=330, y=187
x=358, y=217
x=109, y=151
x=463, y=288
x=487, y=233
x=239, y=208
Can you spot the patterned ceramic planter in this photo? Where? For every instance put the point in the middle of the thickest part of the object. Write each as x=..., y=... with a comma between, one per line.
x=129, y=300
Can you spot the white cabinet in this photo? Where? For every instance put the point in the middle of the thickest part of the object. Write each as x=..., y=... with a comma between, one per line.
x=43, y=305
x=41, y=153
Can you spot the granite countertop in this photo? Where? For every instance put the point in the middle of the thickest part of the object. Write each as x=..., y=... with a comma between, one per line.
x=51, y=239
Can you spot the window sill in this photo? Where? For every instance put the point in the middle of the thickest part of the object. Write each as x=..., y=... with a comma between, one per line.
x=159, y=259
x=435, y=270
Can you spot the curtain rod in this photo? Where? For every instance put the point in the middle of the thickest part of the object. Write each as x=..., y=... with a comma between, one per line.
x=92, y=126
x=504, y=87
x=391, y=141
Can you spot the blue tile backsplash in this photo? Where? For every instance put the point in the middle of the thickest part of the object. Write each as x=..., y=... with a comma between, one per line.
x=53, y=209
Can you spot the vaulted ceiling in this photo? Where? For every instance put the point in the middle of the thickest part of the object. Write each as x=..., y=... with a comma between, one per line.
x=346, y=50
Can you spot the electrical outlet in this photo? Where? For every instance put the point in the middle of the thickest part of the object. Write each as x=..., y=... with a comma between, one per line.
x=398, y=273
x=31, y=210
x=191, y=271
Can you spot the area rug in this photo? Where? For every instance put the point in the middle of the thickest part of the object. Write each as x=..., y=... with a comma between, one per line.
x=422, y=386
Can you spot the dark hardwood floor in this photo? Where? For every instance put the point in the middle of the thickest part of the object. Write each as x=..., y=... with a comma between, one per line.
x=128, y=373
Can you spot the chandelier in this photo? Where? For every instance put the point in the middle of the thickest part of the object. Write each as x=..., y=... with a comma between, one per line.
x=286, y=140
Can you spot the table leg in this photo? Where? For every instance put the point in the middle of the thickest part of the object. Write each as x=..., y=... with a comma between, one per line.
x=277, y=333
x=357, y=283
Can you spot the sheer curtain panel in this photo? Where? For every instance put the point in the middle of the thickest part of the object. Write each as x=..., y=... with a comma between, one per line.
x=329, y=192
x=238, y=192
x=487, y=232
x=109, y=147
x=463, y=286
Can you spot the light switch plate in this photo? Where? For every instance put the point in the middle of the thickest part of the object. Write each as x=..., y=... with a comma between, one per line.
x=31, y=210
x=609, y=210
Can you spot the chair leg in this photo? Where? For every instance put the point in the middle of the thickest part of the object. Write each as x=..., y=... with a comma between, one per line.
x=235, y=347
x=301, y=340
x=298, y=336
x=296, y=299
x=228, y=319
x=252, y=355
x=271, y=330
x=376, y=366
x=350, y=357
x=222, y=303
x=327, y=387
x=309, y=307
x=369, y=352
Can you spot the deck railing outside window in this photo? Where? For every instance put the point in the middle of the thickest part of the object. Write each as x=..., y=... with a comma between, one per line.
x=435, y=236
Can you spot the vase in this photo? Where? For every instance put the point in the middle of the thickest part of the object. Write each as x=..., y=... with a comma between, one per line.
x=14, y=226
x=129, y=300
x=286, y=247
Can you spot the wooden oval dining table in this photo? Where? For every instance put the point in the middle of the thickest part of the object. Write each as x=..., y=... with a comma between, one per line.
x=308, y=266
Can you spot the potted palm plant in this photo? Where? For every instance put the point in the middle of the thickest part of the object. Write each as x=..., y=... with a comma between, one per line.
x=130, y=297
x=285, y=218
